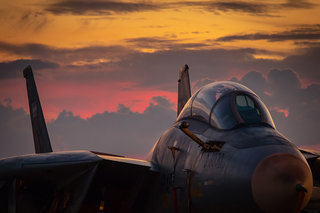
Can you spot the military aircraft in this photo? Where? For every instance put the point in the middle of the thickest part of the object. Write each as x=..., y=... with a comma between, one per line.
x=223, y=154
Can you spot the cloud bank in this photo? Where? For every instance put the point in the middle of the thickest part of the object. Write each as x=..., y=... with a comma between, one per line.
x=304, y=33
x=294, y=109
x=114, y=63
x=110, y=7
x=98, y=7
x=122, y=132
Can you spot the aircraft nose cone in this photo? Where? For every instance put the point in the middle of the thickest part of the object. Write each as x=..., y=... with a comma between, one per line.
x=282, y=183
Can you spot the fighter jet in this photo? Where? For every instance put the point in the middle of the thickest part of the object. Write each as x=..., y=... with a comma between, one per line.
x=222, y=154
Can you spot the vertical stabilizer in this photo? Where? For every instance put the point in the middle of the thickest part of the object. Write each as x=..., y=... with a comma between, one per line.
x=39, y=128
x=184, y=92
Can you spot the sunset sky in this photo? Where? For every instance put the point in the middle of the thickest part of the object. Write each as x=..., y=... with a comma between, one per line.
x=107, y=71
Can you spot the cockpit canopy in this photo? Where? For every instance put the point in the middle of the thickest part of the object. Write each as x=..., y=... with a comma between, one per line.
x=225, y=105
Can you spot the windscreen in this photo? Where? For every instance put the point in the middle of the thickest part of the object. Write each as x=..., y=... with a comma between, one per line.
x=247, y=109
x=224, y=105
x=234, y=109
x=222, y=116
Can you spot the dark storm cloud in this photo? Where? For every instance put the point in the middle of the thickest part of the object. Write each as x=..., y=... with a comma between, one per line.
x=238, y=6
x=25, y=49
x=248, y=7
x=303, y=33
x=90, y=53
x=156, y=68
x=109, y=7
x=282, y=90
x=64, y=55
x=305, y=64
x=13, y=69
x=162, y=43
x=35, y=20
x=15, y=131
x=126, y=64
x=307, y=43
x=303, y=4
x=106, y=7
x=149, y=41
x=256, y=82
x=123, y=132
x=99, y=7
x=227, y=6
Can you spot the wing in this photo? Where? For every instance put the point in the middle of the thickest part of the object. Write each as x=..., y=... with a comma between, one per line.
x=72, y=181
x=76, y=181
x=313, y=159
x=309, y=154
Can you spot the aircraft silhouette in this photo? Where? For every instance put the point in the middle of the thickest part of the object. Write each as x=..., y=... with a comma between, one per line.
x=223, y=154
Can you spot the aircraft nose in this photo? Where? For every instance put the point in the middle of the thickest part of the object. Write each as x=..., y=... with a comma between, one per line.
x=282, y=183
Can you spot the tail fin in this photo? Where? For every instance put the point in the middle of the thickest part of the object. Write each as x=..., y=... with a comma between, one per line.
x=39, y=128
x=184, y=92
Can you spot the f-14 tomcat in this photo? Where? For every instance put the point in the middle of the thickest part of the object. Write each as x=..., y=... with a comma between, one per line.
x=223, y=154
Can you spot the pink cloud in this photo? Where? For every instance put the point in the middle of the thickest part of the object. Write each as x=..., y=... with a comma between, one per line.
x=82, y=98
x=15, y=90
x=284, y=111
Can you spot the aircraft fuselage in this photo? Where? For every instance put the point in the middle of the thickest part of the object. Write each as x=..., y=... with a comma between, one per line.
x=216, y=181
x=248, y=167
